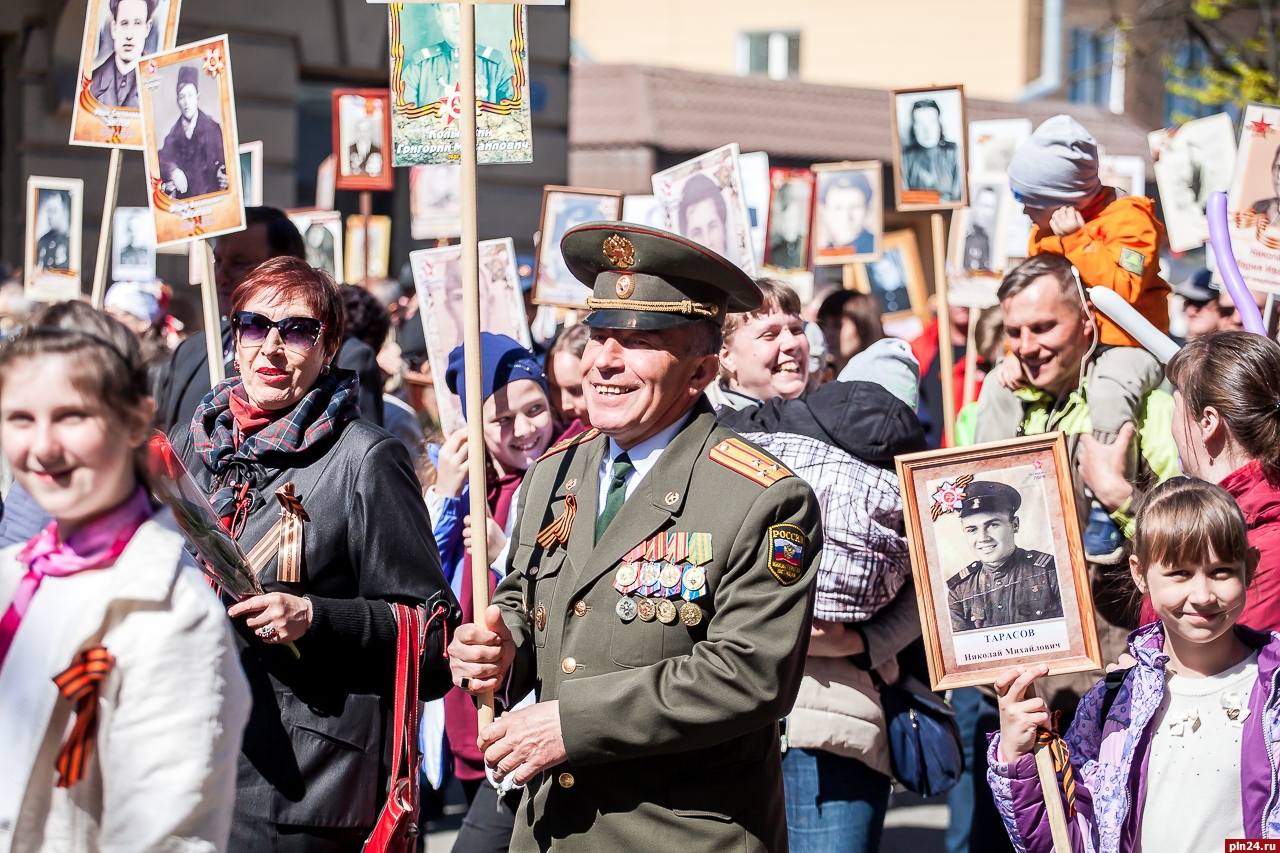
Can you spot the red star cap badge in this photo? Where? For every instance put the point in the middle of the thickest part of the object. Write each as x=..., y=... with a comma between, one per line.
x=1259, y=127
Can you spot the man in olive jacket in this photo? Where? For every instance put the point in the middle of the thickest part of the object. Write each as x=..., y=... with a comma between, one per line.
x=659, y=585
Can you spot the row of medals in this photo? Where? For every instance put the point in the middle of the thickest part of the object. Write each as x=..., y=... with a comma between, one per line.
x=664, y=582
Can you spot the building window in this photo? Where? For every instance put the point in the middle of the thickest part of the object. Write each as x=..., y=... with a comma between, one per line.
x=1089, y=67
x=1189, y=59
x=775, y=54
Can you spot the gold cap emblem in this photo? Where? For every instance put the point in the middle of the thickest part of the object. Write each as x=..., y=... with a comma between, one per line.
x=625, y=286
x=620, y=252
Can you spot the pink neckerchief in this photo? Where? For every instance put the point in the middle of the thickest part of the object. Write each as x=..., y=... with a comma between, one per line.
x=93, y=546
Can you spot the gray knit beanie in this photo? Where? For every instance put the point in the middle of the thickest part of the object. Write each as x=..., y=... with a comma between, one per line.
x=1056, y=167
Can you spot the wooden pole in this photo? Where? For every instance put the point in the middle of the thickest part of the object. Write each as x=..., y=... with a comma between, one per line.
x=970, y=358
x=212, y=314
x=1269, y=312
x=366, y=208
x=1052, y=800
x=946, y=357
x=471, y=332
x=101, y=268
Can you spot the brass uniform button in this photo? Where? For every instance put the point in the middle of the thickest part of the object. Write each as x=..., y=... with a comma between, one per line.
x=666, y=612
x=565, y=780
x=568, y=665
x=580, y=608
x=646, y=610
x=690, y=614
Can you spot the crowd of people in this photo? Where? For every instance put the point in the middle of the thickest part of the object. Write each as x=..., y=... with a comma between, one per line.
x=696, y=539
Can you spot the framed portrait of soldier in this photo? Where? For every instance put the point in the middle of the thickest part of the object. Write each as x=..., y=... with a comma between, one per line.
x=564, y=208
x=133, y=245
x=435, y=201
x=321, y=232
x=379, y=231
x=703, y=201
x=117, y=33
x=896, y=278
x=192, y=146
x=978, y=232
x=251, y=171
x=847, y=220
x=426, y=96
x=1253, y=202
x=930, y=159
x=55, y=207
x=437, y=277
x=361, y=129
x=999, y=568
x=786, y=244
x=1192, y=162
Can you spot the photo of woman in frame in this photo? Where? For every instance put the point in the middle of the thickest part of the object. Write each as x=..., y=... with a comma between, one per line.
x=930, y=163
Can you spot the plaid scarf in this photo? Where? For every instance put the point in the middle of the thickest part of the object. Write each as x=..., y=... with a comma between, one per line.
x=238, y=462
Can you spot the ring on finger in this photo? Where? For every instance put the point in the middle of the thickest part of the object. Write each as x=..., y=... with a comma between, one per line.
x=466, y=683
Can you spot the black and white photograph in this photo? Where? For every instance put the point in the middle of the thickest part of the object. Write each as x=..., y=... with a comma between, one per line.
x=929, y=160
x=361, y=130
x=564, y=208
x=896, y=278
x=117, y=34
x=790, y=216
x=435, y=201
x=703, y=201
x=847, y=217
x=379, y=231
x=1192, y=162
x=321, y=232
x=54, y=212
x=983, y=230
x=193, y=151
x=133, y=245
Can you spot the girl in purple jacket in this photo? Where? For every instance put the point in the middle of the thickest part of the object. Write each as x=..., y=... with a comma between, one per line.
x=1181, y=756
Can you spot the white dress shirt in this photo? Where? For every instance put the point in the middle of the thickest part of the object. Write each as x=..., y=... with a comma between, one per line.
x=643, y=457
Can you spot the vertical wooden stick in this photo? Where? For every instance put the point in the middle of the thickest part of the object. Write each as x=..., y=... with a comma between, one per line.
x=100, y=269
x=946, y=357
x=1052, y=800
x=1269, y=312
x=212, y=314
x=366, y=208
x=471, y=332
x=970, y=358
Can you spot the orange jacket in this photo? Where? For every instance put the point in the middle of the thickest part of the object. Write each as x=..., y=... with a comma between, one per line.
x=1106, y=251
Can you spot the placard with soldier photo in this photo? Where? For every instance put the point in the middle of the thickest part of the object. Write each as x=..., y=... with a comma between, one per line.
x=999, y=568
x=896, y=278
x=191, y=141
x=361, y=128
x=321, y=232
x=564, y=208
x=1192, y=162
x=978, y=232
x=790, y=217
x=929, y=157
x=379, y=230
x=847, y=213
x=435, y=201
x=703, y=201
x=426, y=96
x=117, y=34
x=55, y=207
x=133, y=245
x=437, y=276
x=1253, y=202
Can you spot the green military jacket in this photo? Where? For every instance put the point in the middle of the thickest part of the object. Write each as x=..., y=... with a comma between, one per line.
x=433, y=71
x=670, y=729
x=1025, y=589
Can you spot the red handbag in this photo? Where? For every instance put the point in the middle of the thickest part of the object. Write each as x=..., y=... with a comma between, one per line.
x=397, y=828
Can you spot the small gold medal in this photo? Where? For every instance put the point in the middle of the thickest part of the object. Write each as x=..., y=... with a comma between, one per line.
x=670, y=576
x=690, y=614
x=666, y=612
x=694, y=578
x=646, y=610
x=626, y=575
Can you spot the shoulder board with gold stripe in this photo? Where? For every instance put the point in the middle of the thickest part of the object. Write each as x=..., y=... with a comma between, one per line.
x=736, y=455
x=570, y=442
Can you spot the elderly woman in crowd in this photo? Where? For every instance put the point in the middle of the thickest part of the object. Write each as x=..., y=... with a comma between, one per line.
x=841, y=439
x=281, y=442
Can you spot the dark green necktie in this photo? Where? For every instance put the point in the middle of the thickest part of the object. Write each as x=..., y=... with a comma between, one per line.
x=617, y=493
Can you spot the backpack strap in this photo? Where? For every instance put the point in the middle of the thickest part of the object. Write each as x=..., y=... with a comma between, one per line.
x=1114, y=680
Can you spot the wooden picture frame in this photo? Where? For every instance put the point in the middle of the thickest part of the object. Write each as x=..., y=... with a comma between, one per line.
x=950, y=191
x=51, y=238
x=830, y=247
x=369, y=167
x=562, y=209
x=779, y=254
x=1011, y=505
x=324, y=239
x=897, y=248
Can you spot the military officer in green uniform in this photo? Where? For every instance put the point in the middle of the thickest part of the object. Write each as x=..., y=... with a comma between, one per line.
x=1006, y=585
x=658, y=586
x=432, y=72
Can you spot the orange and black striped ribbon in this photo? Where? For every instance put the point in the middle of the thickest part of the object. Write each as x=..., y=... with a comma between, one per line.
x=1061, y=756
x=81, y=684
x=557, y=532
x=289, y=568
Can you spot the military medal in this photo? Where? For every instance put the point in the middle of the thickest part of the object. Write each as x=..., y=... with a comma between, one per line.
x=669, y=577
x=666, y=611
x=694, y=583
x=540, y=618
x=646, y=610
x=690, y=614
x=699, y=548
x=624, y=577
x=626, y=609
x=649, y=577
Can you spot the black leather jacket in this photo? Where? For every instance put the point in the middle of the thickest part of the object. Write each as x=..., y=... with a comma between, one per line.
x=317, y=747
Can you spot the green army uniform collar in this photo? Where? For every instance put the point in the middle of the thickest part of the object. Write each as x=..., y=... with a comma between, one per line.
x=660, y=495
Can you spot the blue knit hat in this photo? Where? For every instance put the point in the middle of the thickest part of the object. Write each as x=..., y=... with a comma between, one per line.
x=1056, y=167
x=502, y=361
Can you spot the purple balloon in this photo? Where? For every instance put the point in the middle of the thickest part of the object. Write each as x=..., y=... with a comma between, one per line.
x=1226, y=261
